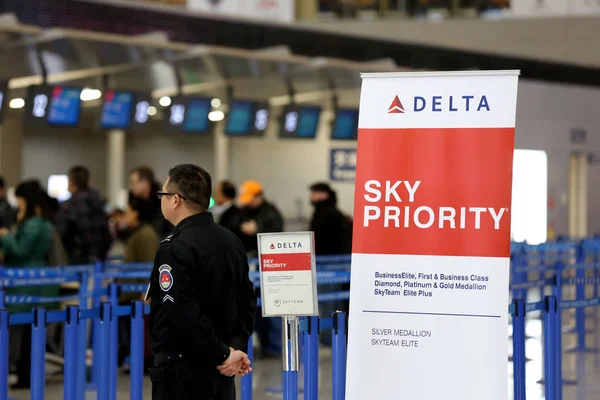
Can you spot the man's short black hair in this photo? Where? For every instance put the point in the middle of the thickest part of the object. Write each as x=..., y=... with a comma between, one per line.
x=193, y=183
x=80, y=176
x=2, y=182
x=228, y=189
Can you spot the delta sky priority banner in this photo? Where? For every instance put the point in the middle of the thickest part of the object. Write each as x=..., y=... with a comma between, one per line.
x=431, y=245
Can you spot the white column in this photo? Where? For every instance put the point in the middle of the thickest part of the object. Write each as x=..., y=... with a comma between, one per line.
x=221, y=152
x=573, y=194
x=578, y=195
x=115, y=166
x=582, y=200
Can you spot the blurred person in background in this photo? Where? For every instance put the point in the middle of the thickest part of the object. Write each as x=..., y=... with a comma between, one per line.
x=7, y=214
x=328, y=223
x=140, y=247
x=260, y=216
x=227, y=214
x=257, y=215
x=29, y=246
x=142, y=184
x=333, y=236
x=82, y=221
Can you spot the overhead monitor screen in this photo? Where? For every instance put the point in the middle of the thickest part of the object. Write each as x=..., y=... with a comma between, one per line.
x=345, y=126
x=117, y=110
x=65, y=106
x=143, y=111
x=3, y=97
x=300, y=122
x=247, y=118
x=196, y=115
x=36, y=105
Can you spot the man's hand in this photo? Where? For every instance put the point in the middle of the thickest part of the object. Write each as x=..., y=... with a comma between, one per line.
x=237, y=364
x=249, y=227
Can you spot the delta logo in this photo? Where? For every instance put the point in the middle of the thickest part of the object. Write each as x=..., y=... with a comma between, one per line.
x=286, y=245
x=464, y=103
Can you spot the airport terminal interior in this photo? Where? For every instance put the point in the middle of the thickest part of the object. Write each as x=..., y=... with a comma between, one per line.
x=269, y=98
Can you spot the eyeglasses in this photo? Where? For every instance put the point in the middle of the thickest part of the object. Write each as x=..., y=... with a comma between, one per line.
x=161, y=194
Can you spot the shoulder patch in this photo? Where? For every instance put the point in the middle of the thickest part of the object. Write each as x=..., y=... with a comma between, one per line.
x=165, y=278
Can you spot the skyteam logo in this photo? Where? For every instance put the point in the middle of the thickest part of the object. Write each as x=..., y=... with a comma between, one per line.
x=464, y=103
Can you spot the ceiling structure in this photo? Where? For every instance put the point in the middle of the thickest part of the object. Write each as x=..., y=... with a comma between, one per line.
x=152, y=63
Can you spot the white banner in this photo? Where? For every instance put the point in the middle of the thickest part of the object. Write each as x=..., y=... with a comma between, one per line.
x=274, y=10
x=431, y=245
x=538, y=8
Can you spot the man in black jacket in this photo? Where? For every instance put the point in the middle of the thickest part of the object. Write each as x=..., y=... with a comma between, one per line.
x=202, y=299
x=227, y=214
x=328, y=223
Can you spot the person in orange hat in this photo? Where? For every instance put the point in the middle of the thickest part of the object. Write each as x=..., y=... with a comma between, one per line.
x=258, y=216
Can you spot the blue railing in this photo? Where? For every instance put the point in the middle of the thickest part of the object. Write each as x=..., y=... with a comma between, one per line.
x=547, y=267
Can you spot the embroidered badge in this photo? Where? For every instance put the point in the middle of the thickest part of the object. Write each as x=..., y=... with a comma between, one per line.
x=164, y=277
x=167, y=297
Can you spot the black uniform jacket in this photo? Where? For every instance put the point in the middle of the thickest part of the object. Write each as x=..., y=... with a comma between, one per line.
x=203, y=301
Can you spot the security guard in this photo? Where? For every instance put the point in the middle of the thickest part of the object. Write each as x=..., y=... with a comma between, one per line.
x=202, y=300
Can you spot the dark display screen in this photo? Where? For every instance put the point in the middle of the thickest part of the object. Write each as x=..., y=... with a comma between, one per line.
x=65, y=106
x=246, y=118
x=345, y=126
x=196, y=115
x=117, y=110
x=300, y=122
x=3, y=97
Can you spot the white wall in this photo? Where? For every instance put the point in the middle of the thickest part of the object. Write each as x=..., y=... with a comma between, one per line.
x=546, y=114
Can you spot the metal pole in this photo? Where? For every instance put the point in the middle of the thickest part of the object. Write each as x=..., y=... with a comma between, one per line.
x=519, y=349
x=71, y=348
x=247, y=380
x=137, y=351
x=339, y=356
x=38, y=353
x=311, y=359
x=550, y=348
x=3, y=354
x=290, y=352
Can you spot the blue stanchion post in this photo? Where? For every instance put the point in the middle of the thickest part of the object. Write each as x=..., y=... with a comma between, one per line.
x=113, y=294
x=71, y=349
x=82, y=338
x=38, y=354
x=518, y=319
x=290, y=354
x=247, y=380
x=103, y=356
x=551, y=383
x=137, y=351
x=338, y=349
x=96, y=323
x=3, y=355
x=311, y=359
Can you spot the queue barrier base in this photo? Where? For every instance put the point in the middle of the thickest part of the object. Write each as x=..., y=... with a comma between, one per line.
x=576, y=349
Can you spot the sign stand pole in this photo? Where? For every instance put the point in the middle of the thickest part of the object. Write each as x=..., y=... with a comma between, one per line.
x=290, y=353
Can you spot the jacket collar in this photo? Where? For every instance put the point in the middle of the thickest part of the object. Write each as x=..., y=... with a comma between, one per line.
x=202, y=218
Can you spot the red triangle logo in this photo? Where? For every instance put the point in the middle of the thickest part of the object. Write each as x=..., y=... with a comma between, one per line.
x=396, y=107
x=272, y=246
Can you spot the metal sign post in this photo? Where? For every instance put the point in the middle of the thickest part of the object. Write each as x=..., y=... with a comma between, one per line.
x=288, y=283
x=290, y=353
